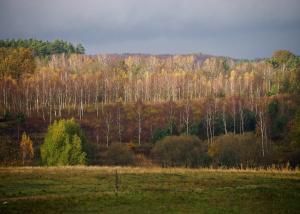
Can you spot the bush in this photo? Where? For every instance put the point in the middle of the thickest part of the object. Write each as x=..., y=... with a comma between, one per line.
x=63, y=144
x=7, y=116
x=186, y=151
x=9, y=151
x=118, y=154
x=142, y=160
x=144, y=149
x=232, y=150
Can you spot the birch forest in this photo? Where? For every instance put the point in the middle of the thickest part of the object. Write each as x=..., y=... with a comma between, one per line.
x=133, y=108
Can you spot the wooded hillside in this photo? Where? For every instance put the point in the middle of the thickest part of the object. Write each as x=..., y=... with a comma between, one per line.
x=140, y=99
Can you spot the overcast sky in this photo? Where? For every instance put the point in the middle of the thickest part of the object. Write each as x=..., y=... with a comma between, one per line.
x=236, y=28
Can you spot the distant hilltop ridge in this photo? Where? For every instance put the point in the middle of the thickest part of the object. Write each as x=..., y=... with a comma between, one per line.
x=192, y=60
x=198, y=57
x=50, y=49
x=45, y=48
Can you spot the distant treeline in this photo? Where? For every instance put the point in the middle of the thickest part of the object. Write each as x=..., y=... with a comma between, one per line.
x=44, y=48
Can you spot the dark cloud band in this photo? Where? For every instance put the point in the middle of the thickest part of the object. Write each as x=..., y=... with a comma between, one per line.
x=224, y=27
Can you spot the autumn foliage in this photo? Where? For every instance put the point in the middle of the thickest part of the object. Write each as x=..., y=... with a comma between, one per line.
x=141, y=100
x=26, y=148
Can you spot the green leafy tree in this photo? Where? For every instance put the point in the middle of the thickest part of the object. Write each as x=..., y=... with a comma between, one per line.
x=76, y=154
x=63, y=144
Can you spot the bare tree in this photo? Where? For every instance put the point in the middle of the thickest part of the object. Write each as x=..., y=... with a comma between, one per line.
x=139, y=110
x=187, y=114
x=262, y=125
x=241, y=111
x=224, y=116
x=108, y=123
x=119, y=119
x=171, y=115
x=209, y=108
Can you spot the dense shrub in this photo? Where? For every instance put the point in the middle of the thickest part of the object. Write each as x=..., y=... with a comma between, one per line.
x=278, y=121
x=144, y=148
x=232, y=150
x=9, y=151
x=142, y=160
x=292, y=152
x=63, y=144
x=118, y=154
x=186, y=151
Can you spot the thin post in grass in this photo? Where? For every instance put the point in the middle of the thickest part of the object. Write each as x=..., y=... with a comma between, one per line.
x=117, y=183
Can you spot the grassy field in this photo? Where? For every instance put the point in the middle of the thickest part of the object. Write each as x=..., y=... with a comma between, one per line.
x=147, y=190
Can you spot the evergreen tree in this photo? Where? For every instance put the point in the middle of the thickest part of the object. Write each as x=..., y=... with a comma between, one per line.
x=43, y=48
x=80, y=49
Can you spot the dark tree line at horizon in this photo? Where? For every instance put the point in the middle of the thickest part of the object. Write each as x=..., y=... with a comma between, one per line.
x=42, y=48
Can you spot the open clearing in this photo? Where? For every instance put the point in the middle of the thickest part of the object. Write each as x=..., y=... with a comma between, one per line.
x=147, y=190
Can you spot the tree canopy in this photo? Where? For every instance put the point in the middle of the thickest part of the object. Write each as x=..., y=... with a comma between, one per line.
x=63, y=144
x=15, y=62
x=284, y=57
x=44, y=48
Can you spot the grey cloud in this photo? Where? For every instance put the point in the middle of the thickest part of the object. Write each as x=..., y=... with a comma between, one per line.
x=238, y=28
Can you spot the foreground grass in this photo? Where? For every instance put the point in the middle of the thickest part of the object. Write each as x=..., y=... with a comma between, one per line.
x=147, y=190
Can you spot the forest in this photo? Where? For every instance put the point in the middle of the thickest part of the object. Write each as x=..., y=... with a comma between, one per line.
x=61, y=107
x=44, y=49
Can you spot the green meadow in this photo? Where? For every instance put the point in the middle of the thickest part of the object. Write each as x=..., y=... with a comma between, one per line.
x=147, y=190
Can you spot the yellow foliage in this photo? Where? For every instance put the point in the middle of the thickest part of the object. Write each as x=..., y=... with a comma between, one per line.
x=26, y=148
